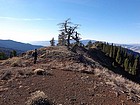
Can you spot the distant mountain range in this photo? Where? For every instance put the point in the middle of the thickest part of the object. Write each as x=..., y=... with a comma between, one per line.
x=10, y=44
x=134, y=47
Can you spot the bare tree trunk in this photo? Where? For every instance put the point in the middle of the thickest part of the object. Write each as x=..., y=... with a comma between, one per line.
x=68, y=41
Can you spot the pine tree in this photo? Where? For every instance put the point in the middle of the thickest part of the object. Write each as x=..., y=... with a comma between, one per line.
x=52, y=42
x=130, y=68
x=104, y=47
x=14, y=53
x=135, y=66
x=131, y=58
x=118, y=57
x=11, y=54
x=62, y=39
x=2, y=56
x=120, y=61
x=107, y=49
x=114, y=52
x=111, y=51
x=89, y=44
x=126, y=64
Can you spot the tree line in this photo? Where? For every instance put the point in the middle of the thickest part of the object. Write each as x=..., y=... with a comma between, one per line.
x=4, y=56
x=121, y=56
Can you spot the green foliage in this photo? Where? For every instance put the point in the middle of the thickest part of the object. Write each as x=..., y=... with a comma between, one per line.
x=114, y=52
x=2, y=56
x=13, y=53
x=111, y=51
x=130, y=68
x=107, y=49
x=126, y=64
x=135, y=66
x=62, y=39
x=128, y=61
x=89, y=44
x=118, y=57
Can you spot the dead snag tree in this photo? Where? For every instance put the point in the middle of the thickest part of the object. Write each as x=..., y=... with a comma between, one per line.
x=69, y=32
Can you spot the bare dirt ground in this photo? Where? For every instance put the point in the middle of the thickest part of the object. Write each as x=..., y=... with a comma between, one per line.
x=65, y=81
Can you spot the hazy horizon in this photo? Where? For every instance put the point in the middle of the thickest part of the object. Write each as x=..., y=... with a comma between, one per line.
x=48, y=42
x=114, y=21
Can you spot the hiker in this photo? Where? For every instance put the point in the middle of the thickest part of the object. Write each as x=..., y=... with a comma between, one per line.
x=35, y=56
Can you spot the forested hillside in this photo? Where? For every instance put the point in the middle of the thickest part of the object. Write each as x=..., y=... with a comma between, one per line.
x=125, y=59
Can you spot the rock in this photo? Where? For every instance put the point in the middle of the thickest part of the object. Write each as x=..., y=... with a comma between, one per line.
x=38, y=98
x=6, y=76
x=40, y=72
x=3, y=89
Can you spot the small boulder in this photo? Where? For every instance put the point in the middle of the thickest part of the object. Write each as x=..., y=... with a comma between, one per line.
x=38, y=98
x=39, y=72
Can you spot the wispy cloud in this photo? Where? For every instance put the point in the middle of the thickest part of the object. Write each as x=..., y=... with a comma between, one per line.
x=26, y=19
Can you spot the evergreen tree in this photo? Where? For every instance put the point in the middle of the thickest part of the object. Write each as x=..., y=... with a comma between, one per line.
x=130, y=68
x=89, y=44
x=125, y=54
x=128, y=61
x=120, y=61
x=126, y=64
x=135, y=66
x=101, y=46
x=104, y=47
x=52, y=42
x=111, y=51
x=131, y=58
x=107, y=49
x=13, y=53
x=62, y=39
x=114, y=52
x=2, y=56
x=118, y=57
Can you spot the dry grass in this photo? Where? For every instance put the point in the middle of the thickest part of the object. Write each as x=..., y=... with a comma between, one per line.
x=38, y=98
x=119, y=83
x=14, y=62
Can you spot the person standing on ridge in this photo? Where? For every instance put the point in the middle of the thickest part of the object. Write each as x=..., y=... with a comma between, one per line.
x=35, y=56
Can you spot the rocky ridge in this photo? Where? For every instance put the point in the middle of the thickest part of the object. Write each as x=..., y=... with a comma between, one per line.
x=64, y=78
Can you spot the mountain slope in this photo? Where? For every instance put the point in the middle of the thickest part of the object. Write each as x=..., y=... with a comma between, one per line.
x=17, y=45
x=69, y=78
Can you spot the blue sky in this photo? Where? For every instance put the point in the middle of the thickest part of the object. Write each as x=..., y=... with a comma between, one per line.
x=116, y=21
